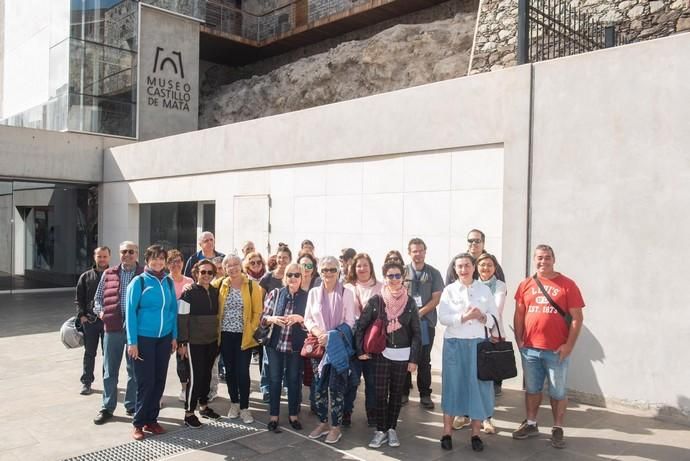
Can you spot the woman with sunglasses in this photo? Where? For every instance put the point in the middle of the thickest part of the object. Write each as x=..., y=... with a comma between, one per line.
x=361, y=280
x=394, y=256
x=284, y=309
x=197, y=339
x=240, y=304
x=466, y=308
x=310, y=278
x=403, y=342
x=254, y=266
x=329, y=306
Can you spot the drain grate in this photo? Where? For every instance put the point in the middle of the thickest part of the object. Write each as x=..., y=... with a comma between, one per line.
x=172, y=443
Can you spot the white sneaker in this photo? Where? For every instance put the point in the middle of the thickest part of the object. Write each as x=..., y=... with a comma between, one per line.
x=393, y=440
x=182, y=397
x=246, y=416
x=379, y=439
x=234, y=412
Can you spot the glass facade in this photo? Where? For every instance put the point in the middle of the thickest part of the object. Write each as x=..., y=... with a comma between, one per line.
x=93, y=67
x=175, y=225
x=47, y=233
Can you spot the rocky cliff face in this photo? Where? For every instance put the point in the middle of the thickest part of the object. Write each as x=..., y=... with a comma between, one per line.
x=400, y=56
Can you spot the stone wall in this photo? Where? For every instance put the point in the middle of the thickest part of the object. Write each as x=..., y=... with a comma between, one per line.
x=421, y=47
x=495, y=43
x=323, y=8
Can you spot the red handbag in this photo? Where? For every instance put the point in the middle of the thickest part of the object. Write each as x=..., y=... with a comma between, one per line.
x=312, y=349
x=375, y=335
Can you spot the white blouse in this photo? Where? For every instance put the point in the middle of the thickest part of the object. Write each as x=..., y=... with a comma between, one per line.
x=456, y=299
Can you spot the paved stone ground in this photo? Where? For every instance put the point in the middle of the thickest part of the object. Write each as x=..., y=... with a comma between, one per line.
x=43, y=417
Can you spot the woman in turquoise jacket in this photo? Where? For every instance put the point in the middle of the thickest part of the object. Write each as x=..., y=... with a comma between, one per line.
x=151, y=322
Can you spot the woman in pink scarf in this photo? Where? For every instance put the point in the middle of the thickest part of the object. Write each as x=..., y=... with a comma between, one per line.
x=403, y=342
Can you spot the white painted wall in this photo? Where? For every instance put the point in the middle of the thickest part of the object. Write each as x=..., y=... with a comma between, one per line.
x=611, y=177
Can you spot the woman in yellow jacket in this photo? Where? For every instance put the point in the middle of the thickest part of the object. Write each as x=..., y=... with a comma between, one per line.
x=239, y=312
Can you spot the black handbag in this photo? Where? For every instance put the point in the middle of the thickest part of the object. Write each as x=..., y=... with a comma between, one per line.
x=262, y=334
x=495, y=360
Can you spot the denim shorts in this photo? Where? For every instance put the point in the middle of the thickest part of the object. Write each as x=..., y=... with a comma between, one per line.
x=541, y=364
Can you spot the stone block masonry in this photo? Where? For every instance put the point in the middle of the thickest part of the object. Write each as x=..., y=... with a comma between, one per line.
x=495, y=41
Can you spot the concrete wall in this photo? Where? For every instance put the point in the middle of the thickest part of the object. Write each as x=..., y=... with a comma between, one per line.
x=609, y=182
x=168, y=90
x=611, y=178
x=39, y=154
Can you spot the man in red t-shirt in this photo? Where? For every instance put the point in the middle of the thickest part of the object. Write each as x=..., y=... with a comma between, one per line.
x=548, y=320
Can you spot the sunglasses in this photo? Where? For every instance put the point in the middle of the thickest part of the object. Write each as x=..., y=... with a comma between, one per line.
x=254, y=263
x=475, y=241
x=326, y=270
x=293, y=275
x=308, y=266
x=202, y=272
x=394, y=276
x=125, y=252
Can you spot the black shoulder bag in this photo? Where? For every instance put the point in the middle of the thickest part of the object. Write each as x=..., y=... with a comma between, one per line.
x=567, y=317
x=495, y=360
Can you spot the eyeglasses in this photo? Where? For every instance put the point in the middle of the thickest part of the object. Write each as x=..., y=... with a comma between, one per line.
x=206, y=272
x=308, y=266
x=475, y=241
x=125, y=252
x=396, y=276
x=255, y=263
x=293, y=275
x=326, y=270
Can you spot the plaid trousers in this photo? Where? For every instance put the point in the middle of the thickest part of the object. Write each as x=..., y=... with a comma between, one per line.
x=389, y=381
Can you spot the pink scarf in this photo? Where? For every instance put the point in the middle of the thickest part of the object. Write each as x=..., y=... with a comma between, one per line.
x=395, y=304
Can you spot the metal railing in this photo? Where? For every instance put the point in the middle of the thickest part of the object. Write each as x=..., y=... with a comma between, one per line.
x=550, y=29
x=271, y=24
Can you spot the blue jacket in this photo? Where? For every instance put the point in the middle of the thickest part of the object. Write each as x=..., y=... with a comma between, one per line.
x=339, y=348
x=151, y=308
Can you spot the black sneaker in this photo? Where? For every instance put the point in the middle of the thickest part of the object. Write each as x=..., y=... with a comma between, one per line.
x=426, y=402
x=85, y=389
x=208, y=413
x=130, y=411
x=102, y=417
x=477, y=444
x=192, y=421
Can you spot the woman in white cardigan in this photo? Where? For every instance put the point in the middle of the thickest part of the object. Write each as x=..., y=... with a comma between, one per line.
x=466, y=308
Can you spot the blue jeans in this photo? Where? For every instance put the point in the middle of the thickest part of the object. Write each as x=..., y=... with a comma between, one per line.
x=540, y=364
x=288, y=364
x=113, y=347
x=151, y=372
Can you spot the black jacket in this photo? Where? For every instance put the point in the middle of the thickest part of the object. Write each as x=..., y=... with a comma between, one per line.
x=407, y=336
x=200, y=325
x=86, y=291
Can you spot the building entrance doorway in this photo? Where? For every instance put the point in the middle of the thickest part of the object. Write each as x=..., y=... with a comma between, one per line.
x=47, y=234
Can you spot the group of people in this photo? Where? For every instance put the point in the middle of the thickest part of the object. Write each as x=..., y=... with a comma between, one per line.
x=311, y=323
